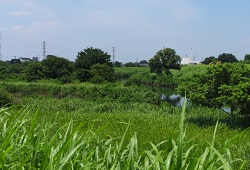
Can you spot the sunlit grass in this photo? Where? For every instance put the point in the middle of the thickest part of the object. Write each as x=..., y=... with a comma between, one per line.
x=29, y=141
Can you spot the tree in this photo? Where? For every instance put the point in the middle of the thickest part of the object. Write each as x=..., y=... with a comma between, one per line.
x=87, y=58
x=164, y=60
x=227, y=58
x=130, y=64
x=118, y=64
x=143, y=62
x=101, y=73
x=223, y=85
x=35, y=71
x=15, y=61
x=155, y=65
x=209, y=60
x=57, y=66
x=247, y=57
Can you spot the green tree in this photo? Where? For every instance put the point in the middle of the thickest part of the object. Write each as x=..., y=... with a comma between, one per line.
x=101, y=73
x=247, y=57
x=164, y=60
x=15, y=61
x=57, y=67
x=143, y=62
x=223, y=85
x=227, y=58
x=35, y=71
x=118, y=64
x=130, y=64
x=209, y=60
x=155, y=65
x=87, y=58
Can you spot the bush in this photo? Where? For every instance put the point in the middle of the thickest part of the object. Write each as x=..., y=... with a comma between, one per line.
x=5, y=97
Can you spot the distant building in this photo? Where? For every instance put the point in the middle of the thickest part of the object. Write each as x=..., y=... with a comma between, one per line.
x=186, y=61
x=23, y=59
x=34, y=58
x=189, y=60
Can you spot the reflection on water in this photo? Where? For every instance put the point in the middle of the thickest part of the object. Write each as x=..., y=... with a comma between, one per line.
x=173, y=99
x=178, y=100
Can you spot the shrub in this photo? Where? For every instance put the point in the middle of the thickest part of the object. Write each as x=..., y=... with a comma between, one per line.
x=5, y=97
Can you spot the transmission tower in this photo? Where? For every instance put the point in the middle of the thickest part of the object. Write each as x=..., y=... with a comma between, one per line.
x=114, y=55
x=0, y=45
x=44, y=50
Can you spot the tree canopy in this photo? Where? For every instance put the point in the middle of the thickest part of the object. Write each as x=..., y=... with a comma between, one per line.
x=57, y=66
x=35, y=71
x=209, y=60
x=164, y=60
x=223, y=85
x=89, y=57
x=247, y=57
x=227, y=58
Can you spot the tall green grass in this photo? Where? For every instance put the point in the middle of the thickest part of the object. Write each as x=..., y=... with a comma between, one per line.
x=29, y=141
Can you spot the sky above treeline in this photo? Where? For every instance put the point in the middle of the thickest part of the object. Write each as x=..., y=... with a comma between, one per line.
x=136, y=28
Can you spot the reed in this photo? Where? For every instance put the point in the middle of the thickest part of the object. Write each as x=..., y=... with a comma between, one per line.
x=27, y=142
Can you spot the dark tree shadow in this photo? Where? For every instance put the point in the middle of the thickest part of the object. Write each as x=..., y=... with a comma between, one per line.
x=242, y=122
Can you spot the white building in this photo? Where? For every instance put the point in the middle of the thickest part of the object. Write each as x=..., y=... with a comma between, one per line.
x=189, y=60
x=185, y=60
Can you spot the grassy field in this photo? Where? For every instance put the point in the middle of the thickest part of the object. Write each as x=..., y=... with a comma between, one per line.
x=112, y=126
x=186, y=72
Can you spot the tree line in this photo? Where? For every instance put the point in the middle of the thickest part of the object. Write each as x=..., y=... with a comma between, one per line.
x=225, y=58
x=91, y=64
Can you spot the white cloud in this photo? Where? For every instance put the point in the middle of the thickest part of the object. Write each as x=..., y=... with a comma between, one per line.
x=18, y=28
x=35, y=28
x=21, y=14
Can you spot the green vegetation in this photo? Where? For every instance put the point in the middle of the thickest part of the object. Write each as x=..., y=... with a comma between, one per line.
x=58, y=114
x=95, y=65
x=164, y=60
x=35, y=140
x=107, y=122
x=222, y=85
x=222, y=58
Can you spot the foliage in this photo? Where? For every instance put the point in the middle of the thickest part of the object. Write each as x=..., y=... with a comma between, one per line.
x=209, y=60
x=247, y=57
x=101, y=73
x=152, y=80
x=143, y=62
x=88, y=58
x=164, y=60
x=130, y=64
x=30, y=142
x=5, y=97
x=222, y=85
x=15, y=61
x=57, y=66
x=227, y=58
x=35, y=71
x=118, y=64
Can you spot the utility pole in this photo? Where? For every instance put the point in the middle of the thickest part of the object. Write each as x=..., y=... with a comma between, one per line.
x=0, y=45
x=113, y=55
x=191, y=55
x=44, y=50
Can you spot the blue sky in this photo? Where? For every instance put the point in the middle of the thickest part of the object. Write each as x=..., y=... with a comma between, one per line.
x=136, y=28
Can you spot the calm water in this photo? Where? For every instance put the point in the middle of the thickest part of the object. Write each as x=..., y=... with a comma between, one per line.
x=173, y=99
x=178, y=100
